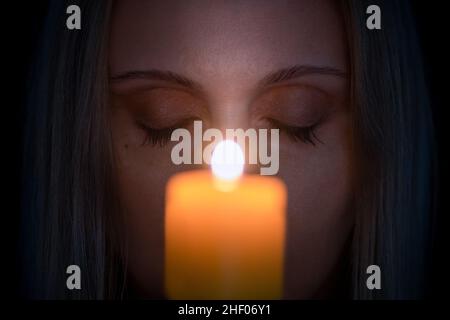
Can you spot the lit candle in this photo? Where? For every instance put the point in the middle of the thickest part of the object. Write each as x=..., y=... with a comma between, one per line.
x=224, y=232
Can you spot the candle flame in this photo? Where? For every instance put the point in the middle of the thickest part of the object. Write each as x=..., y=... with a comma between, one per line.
x=227, y=160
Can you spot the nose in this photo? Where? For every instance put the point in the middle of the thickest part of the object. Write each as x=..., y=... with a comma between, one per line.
x=233, y=114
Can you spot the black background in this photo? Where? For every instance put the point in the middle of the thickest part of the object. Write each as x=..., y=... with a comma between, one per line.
x=23, y=22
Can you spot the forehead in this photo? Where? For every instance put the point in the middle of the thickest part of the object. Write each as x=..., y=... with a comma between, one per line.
x=225, y=38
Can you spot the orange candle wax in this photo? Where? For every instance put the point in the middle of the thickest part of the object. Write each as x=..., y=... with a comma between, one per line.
x=224, y=243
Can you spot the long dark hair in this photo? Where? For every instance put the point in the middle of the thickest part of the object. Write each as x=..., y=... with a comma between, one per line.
x=395, y=136
x=70, y=210
x=69, y=205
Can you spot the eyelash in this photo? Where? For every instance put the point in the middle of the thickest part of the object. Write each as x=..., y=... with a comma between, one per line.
x=156, y=137
x=303, y=134
x=161, y=137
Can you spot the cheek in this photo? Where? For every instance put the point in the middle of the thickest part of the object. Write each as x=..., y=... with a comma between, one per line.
x=142, y=188
x=319, y=181
x=142, y=174
x=141, y=192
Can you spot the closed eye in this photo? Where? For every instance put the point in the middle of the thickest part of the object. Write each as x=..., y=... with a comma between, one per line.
x=161, y=136
x=303, y=134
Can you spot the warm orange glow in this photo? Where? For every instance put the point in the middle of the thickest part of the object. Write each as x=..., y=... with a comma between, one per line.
x=224, y=245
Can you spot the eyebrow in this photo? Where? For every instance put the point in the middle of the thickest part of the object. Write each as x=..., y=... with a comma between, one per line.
x=154, y=74
x=272, y=78
x=298, y=71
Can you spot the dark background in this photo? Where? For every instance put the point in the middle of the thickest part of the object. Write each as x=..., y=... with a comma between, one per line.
x=24, y=21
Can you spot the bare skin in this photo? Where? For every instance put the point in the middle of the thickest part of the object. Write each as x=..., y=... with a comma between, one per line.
x=227, y=49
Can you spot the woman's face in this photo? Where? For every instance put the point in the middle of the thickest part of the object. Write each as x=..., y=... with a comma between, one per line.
x=211, y=61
